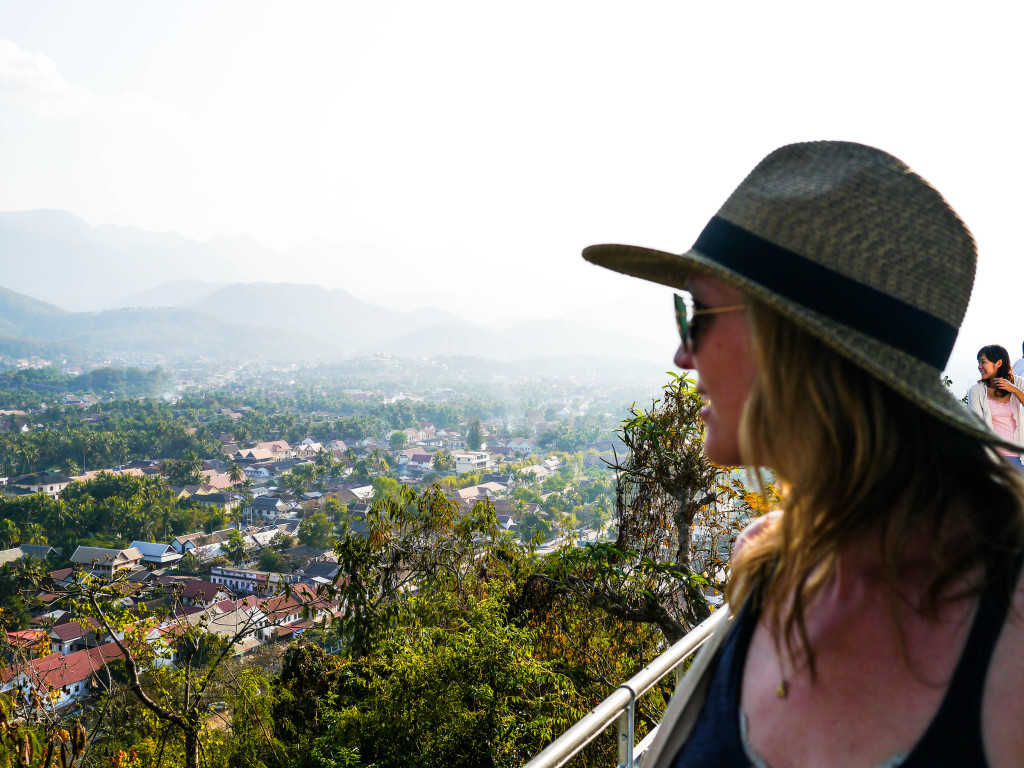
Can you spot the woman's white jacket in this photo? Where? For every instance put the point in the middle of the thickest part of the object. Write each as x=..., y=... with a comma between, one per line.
x=977, y=398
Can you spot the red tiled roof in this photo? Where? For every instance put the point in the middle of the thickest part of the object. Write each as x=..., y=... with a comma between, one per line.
x=199, y=588
x=25, y=637
x=280, y=606
x=73, y=630
x=58, y=670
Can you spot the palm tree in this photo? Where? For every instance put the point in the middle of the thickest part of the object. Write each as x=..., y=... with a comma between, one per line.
x=32, y=533
x=378, y=460
x=69, y=467
x=325, y=461
x=29, y=453
x=186, y=470
x=443, y=462
x=58, y=517
x=80, y=442
x=235, y=474
x=236, y=548
x=9, y=533
x=293, y=482
x=246, y=489
x=601, y=514
x=307, y=475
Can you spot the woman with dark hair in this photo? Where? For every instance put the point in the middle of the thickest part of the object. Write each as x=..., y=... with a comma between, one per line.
x=998, y=399
x=877, y=619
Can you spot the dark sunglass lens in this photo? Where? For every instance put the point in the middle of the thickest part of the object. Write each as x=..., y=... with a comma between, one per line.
x=681, y=324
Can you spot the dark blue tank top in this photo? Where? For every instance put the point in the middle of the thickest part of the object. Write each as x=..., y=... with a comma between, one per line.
x=952, y=740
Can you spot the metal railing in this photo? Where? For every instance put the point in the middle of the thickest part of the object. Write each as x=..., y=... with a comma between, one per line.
x=621, y=705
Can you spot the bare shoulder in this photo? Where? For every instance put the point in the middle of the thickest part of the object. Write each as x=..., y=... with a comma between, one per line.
x=755, y=529
x=1003, y=709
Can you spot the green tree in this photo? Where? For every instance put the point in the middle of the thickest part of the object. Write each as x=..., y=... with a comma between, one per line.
x=282, y=541
x=246, y=489
x=599, y=514
x=10, y=535
x=475, y=435
x=22, y=743
x=333, y=509
x=315, y=531
x=533, y=524
x=236, y=548
x=14, y=609
x=669, y=497
x=33, y=533
x=442, y=462
x=186, y=470
x=326, y=463
x=385, y=488
x=269, y=560
x=301, y=479
x=458, y=684
x=398, y=440
x=253, y=700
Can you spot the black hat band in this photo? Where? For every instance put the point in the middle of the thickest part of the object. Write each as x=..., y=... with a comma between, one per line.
x=829, y=293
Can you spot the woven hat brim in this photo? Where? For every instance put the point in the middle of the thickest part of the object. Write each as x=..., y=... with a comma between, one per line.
x=917, y=382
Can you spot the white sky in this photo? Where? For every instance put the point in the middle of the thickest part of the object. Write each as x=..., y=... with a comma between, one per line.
x=485, y=144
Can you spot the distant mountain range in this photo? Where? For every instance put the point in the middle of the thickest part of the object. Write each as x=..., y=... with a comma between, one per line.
x=30, y=326
x=57, y=257
x=127, y=292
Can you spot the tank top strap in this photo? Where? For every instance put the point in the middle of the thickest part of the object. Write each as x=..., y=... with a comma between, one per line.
x=954, y=737
x=716, y=741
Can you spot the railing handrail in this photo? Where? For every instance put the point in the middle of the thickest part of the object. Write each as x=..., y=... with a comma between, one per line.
x=594, y=723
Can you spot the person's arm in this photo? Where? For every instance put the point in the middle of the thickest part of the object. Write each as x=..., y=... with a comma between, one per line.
x=974, y=398
x=1005, y=385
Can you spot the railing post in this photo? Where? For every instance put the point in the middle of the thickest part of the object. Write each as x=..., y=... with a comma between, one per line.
x=626, y=722
x=620, y=706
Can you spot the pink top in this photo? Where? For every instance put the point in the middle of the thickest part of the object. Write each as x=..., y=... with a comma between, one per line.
x=1003, y=422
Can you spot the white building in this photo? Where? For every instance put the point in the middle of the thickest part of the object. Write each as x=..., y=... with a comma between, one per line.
x=472, y=461
x=152, y=552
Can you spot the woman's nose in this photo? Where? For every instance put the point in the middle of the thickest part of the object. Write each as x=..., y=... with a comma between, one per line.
x=684, y=359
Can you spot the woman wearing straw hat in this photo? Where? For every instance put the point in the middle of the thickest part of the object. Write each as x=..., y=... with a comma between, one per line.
x=998, y=399
x=878, y=619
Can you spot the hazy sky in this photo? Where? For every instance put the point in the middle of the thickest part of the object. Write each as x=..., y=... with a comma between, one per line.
x=485, y=144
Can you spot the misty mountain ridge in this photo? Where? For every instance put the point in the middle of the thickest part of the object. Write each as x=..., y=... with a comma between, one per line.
x=57, y=257
x=141, y=333
x=173, y=294
x=125, y=290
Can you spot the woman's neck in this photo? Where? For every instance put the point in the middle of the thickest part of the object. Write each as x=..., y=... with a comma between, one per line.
x=861, y=571
x=993, y=392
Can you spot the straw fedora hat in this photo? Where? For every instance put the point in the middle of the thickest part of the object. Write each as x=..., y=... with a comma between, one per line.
x=853, y=246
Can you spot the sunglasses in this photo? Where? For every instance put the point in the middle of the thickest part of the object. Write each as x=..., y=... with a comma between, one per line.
x=688, y=319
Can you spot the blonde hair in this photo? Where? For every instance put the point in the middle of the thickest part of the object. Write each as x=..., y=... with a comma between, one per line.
x=853, y=457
